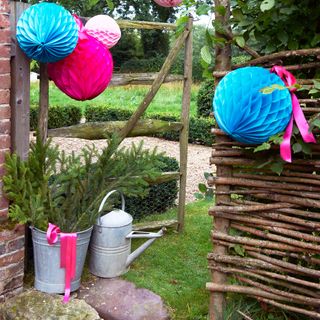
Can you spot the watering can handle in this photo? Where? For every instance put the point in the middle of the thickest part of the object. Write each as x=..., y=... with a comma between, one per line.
x=105, y=199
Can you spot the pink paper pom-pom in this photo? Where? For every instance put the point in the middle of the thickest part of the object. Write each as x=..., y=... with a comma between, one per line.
x=105, y=29
x=168, y=3
x=86, y=72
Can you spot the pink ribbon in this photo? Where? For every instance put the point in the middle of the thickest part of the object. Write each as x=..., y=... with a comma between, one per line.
x=68, y=253
x=297, y=116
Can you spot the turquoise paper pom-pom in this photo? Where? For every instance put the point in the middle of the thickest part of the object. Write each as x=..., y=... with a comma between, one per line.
x=47, y=32
x=244, y=112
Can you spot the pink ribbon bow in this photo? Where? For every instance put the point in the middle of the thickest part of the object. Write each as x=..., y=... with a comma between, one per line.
x=68, y=253
x=297, y=116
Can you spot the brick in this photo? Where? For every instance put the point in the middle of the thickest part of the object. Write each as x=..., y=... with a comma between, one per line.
x=5, y=35
x=4, y=66
x=15, y=244
x=4, y=213
x=3, y=153
x=2, y=249
x=11, y=270
x=10, y=258
x=4, y=20
x=4, y=6
x=11, y=283
x=4, y=96
x=5, y=126
x=4, y=203
x=5, y=79
x=5, y=50
x=5, y=110
x=5, y=142
x=12, y=233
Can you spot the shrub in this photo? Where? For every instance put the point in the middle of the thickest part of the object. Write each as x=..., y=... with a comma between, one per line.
x=199, y=129
x=100, y=113
x=143, y=65
x=58, y=117
x=161, y=196
x=204, y=99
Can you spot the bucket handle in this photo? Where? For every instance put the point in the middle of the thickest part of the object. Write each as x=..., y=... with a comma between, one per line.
x=105, y=199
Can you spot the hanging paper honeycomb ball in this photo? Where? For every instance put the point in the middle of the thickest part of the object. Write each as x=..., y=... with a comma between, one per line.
x=168, y=3
x=105, y=29
x=86, y=72
x=244, y=112
x=47, y=32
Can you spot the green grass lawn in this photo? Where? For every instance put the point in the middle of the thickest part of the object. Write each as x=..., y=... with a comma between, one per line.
x=176, y=268
x=168, y=99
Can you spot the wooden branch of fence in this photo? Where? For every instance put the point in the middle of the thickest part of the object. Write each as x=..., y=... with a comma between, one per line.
x=43, y=103
x=156, y=84
x=155, y=225
x=185, y=115
x=20, y=88
x=102, y=130
x=123, y=79
x=130, y=24
x=310, y=65
x=254, y=242
x=165, y=177
x=281, y=55
x=254, y=274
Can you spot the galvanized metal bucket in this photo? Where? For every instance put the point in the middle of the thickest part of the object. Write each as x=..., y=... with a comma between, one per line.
x=49, y=277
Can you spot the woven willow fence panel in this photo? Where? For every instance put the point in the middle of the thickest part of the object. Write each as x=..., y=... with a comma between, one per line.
x=273, y=238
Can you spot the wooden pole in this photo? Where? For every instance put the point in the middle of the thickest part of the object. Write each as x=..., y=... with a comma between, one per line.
x=20, y=88
x=129, y=24
x=102, y=130
x=222, y=63
x=184, y=133
x=43, y=102
x=156, y=84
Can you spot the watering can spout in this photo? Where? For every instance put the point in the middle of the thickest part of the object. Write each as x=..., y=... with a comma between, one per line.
x=140, y=234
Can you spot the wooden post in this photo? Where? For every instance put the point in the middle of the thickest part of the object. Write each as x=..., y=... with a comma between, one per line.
x=43, y=102
x=184, y=133
x=20, y=88
x=156, y=84
x=222, y=63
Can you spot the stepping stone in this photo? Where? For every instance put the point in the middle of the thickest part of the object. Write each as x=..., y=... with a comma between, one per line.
x=117, y=299
x=37, y=305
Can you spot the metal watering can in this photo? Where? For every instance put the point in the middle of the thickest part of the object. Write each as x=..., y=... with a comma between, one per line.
x=110, y=247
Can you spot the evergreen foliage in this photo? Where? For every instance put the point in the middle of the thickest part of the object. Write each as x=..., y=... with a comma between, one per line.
x=72, y=198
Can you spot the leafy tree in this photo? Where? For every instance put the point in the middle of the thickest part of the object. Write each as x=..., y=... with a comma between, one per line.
x=276, y=25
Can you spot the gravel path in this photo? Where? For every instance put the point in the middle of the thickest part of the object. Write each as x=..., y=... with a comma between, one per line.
x=198, y=156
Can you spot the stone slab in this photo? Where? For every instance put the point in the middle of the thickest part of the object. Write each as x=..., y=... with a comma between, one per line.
x=35, y=305
x=117, y=299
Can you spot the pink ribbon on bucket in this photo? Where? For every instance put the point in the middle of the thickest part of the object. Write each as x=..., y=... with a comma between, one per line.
x=68, y=253
x=297, y=116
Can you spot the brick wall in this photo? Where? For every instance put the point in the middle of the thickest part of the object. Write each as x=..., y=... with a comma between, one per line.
x=11, y=237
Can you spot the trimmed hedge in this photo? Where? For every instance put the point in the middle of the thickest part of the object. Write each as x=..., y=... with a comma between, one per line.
x=199, y=128
x=204, y=98
x=57, y=116
x=160, y=198
x=100, y=113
